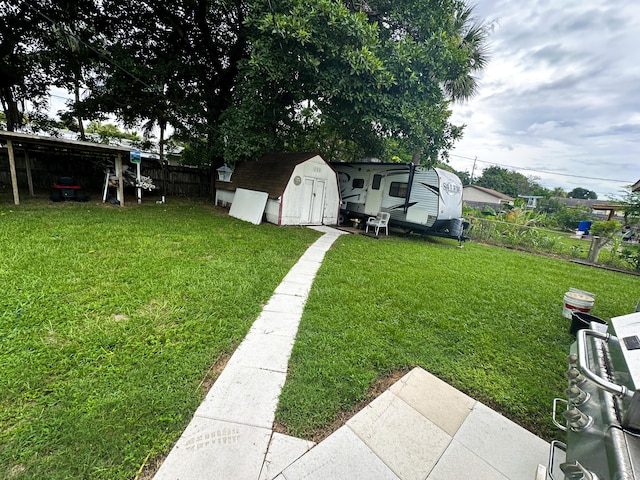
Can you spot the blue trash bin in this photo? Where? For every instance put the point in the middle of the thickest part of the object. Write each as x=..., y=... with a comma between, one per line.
x=584, y=226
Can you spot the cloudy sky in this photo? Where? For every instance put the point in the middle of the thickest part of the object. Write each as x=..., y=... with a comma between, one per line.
x=560, y=98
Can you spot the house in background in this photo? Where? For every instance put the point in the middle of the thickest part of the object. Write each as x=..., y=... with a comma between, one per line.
x=479, y=197
x=636, y=186
x=300, y=188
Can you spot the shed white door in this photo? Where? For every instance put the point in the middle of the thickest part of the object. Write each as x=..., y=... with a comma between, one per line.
x=313, y=201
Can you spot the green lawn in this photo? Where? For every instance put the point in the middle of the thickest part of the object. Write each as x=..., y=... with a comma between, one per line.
x=487, y=320
x=110, y=320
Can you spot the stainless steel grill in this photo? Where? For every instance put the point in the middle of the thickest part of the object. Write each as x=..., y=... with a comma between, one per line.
x=601, y=411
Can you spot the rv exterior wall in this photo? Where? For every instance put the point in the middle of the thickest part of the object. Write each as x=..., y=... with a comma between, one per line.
x=450, y=188
x=434, y=197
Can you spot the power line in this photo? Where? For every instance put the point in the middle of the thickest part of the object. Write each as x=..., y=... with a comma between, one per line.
x=541, y=171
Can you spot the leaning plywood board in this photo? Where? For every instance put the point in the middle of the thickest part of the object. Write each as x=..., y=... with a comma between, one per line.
x=248, y=205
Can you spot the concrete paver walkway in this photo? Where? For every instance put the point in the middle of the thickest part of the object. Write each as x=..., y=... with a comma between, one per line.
x=421, y=428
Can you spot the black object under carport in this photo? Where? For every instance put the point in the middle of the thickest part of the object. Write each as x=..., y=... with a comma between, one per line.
x=66, y=189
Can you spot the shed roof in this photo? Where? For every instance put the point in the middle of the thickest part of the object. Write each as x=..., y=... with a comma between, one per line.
x=489, y=191
x=270, y=173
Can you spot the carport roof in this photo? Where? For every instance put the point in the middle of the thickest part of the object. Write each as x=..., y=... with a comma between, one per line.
x=55, y=142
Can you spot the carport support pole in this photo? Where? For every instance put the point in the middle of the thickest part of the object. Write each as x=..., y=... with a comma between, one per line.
x=120, y=179
x=27, y=164
x=14, y=177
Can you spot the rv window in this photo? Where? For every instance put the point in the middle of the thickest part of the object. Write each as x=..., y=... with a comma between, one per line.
x=357, y=183
x=398, y=189
x=376, y=182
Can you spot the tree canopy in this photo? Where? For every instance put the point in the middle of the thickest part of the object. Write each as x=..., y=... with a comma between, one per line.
x=347, y=78
x=508, y=182
x=582, y=193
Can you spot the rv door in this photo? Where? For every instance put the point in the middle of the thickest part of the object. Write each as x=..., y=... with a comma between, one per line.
x=375, y=192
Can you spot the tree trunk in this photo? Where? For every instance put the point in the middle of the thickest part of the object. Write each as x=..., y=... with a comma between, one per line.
x=14, y=117
x=596, y=245
x=415, y=159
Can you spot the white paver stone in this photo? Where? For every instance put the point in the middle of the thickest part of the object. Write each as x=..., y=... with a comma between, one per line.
x=340, y=456
x=405, y=440
x=314, y=254
x=460, y=462
x=298, y=289
x=285, y=303
x=505, y=445
x=438, y=401
x=277, y=323
x=244, y=395
x=283, y=451
x=210, y=449
x=263, y=350
x=306, y=267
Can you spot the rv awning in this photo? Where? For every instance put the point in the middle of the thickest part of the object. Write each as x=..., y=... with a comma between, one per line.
x=26, y=140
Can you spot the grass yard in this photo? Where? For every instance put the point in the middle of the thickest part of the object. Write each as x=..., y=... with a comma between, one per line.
x=110, y=321
x=487, y=320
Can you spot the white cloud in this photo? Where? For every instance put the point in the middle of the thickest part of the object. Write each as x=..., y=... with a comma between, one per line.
x=560, y=94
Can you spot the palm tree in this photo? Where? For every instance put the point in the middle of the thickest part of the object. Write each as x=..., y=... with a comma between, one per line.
x=473, y=35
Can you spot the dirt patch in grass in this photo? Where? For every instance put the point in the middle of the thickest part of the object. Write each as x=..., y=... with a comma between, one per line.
x=381, y=385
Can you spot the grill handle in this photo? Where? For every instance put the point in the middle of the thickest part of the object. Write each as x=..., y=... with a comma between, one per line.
x=555, y=409
x=583, y=362
x=552, y=450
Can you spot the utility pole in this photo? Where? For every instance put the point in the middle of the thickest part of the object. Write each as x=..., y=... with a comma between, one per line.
x=473, y=169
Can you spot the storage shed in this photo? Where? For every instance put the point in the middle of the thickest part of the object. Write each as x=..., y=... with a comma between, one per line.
x=302, y=188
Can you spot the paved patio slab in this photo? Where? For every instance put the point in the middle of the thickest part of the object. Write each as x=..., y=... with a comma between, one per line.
x=405, y=440
x=342, y=455
x=444, y=405
x=283, y=451
x=459, y=462
x=503, y=444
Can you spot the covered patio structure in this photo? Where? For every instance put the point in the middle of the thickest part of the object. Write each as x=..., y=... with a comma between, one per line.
x=24, y=142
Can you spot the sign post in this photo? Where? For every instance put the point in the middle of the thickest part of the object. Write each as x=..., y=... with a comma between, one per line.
x=134, y=157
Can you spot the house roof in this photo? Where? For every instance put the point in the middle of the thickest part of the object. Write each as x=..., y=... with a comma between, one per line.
x=636, y=186
x=578, y=202
x=270, y=173
x=489, y=191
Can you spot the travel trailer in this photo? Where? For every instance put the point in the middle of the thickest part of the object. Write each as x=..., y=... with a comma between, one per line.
x=418, y=199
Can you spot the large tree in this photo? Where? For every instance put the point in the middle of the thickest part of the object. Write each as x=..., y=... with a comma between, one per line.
x=369, y=71
x=248, y=76
x=509, y=182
